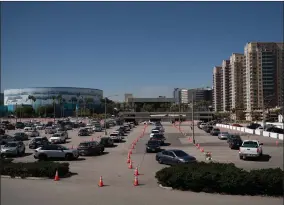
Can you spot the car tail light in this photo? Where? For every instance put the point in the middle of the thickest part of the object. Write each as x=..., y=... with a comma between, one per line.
x=258, y=150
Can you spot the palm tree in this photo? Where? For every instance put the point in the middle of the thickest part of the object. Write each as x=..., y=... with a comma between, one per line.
x=54, y=103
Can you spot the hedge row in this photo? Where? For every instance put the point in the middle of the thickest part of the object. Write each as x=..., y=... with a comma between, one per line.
x=34, y=169
x=222, y=178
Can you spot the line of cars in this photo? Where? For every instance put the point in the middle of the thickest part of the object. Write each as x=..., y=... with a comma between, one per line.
x=169, y=156
x=247, y=148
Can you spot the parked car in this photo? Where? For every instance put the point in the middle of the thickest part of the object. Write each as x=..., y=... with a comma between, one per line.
x=20, y=125
x=83, y=132
x=57, y=138
x=50, y=151
x=90, y=148
x=115, y=137
x=235, y=143
x=65, y=133
x=215, y=132
x=160, y=138
x=253, y=126
x=10, y=127
x=223, y=135
x=106, y=142
x=2, y=131
x=153, y=146
x=250, y=148
x=4, y=139
x=21, y=136
x=15, y=148
x=173, y=157
x=32, y=133
x=127, y=128
x=37, y=142
x=68, y=127
x=50, y=130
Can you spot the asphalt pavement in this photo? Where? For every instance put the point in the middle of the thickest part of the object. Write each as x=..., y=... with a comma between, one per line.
x=82, y=188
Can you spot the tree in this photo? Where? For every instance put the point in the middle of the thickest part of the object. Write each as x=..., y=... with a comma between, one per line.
x=25, y=111
x=54, y=104
x=46, y=109
x=32, y=99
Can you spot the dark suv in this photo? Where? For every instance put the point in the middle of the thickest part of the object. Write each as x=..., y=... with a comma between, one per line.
x=83, y=132
x=90, y=148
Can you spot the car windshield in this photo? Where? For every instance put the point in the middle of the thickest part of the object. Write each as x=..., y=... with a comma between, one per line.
x=235, y=137
x=11, y=145
x=151, y=142
x=180, y=153
x=158, y=136
x=216, y=129
x=113, y=134
x=18, y=134
x=56, y=135
x=250, y=144
x=224, y=133
x=155, y=131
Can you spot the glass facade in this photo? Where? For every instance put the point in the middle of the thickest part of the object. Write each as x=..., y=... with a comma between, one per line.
x=44, y=96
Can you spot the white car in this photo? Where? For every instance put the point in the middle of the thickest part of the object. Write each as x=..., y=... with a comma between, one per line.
x=154, y=132
x=115, y=137
x=57, y=138
x=39, y=127
x=202, y=125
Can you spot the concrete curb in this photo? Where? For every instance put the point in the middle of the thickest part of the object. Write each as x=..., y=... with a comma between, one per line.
x=165, y=187
x=28, y=178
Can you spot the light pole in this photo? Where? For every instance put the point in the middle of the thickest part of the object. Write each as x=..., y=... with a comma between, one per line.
x=192, y=118
x=106, y=111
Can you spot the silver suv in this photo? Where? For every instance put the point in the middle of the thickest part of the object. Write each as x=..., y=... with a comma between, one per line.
x=13, y=149
x=55, y=151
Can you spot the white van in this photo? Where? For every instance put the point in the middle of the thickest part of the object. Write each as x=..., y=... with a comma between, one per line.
x=28, y=129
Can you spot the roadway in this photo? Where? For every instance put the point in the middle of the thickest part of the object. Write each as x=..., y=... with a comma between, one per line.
x=118, y=178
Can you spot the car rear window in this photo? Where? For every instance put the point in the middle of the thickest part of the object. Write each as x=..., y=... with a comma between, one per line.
x=250, y=144
x=113, y=134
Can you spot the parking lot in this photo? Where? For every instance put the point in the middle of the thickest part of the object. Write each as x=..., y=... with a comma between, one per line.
x=118, y=178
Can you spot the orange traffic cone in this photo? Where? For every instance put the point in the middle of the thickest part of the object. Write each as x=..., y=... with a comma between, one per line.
x=101, y=183
x=128, y=155
x=130, y=151
x=128, y=160
x=277, y=142
x=132, y=147
x=130, y=165
x=136, y=173
x=72, y=147
x=202, y=149
x=135, y=181
x=56, y=178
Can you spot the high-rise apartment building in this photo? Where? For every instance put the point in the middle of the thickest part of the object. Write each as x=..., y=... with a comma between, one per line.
x=200, y=94
x=237, y=83
x=226, y=105
x=264, y=76
x=218, y=88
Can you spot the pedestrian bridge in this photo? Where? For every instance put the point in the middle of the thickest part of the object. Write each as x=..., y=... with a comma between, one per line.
x=202, y=115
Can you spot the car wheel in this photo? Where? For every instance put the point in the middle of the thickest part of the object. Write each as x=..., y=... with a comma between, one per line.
x=42, y=157
x=3, y=156
x=68, y=156
x=160, y=161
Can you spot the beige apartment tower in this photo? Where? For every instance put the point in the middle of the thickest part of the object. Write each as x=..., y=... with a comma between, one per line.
x=218, y=88
x=237, y=84
x=226, y=105
x=263, y=76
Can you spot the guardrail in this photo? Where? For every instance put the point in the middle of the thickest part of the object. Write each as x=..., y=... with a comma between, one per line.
x=252, y=131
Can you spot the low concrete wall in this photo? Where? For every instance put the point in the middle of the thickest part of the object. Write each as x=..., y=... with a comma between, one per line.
x=251, y=131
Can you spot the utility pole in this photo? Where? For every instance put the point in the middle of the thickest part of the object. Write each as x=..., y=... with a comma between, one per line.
x=192, y=117
x=105, y=116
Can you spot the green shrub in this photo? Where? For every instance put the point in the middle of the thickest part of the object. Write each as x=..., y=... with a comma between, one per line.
x=222, y=178
x=35, y=169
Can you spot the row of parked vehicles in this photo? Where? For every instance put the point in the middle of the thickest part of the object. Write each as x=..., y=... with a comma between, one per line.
x=247, y=148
